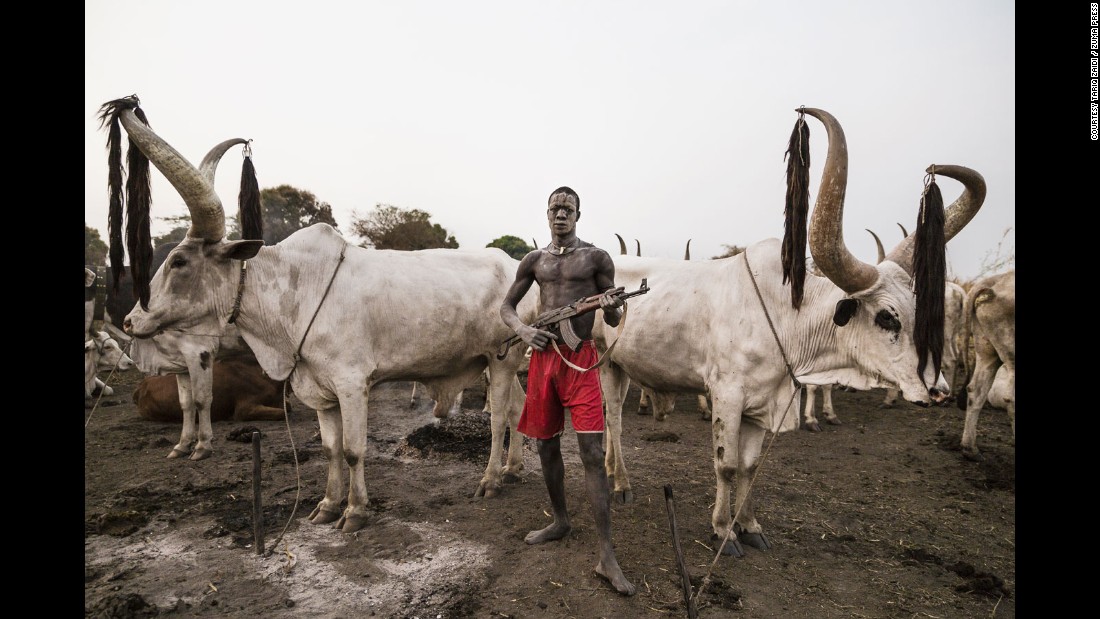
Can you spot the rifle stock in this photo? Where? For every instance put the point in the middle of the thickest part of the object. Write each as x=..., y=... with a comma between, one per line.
x=561, y=316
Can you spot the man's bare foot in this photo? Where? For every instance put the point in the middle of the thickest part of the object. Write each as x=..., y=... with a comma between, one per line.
x=614, y=575
x=549, y=534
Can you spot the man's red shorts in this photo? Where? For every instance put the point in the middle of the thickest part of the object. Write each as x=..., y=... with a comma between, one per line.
x=552, y=385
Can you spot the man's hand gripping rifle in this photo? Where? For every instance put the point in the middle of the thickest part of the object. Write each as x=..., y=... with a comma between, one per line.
x=561, y=316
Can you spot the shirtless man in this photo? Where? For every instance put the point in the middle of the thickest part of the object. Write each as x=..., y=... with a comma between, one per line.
x=567, y=270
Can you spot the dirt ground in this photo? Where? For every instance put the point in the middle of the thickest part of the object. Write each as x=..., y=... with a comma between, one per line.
x=880, y=517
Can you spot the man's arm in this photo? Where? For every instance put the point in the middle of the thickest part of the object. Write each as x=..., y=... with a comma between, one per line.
x=605, y=281
x=525, y=277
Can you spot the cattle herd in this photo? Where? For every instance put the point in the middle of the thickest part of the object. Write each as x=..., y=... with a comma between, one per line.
x=231, y=325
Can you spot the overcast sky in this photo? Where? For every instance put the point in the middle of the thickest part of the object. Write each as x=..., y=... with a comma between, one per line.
x=670, y=119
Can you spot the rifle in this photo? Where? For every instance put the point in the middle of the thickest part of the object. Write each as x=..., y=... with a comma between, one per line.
x=561, y=316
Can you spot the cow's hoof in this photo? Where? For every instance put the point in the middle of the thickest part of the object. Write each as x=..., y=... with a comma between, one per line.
x=645, y=411
x=756, y=540
x=177, y=453
x=732, y=548
x=624, y=496
x=886, y=405
x=834, y=421
x=972, y=455
x=202, y=453
x=487, y=490
x=351, y=524
x=705, y=416
x=811, y=427
x=510, y=478
x=322, y=516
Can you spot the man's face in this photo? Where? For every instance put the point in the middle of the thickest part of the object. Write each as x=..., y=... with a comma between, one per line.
x=562, y=213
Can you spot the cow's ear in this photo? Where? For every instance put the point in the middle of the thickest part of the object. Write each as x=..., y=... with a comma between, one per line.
x=241, y=250
x=845, y=309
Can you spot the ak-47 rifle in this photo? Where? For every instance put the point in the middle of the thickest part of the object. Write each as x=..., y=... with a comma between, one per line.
x=561, y=316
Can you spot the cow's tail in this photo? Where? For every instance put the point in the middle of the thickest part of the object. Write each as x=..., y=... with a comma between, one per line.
x=796, y=207
x=929, y=276
x=963, y=369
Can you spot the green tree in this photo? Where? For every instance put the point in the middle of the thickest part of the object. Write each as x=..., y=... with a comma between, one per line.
x=95, y=250
x=512, y=245
x=390, y=227
x=286, y=210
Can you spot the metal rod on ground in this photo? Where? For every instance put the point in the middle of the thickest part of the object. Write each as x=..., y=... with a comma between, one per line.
x=257, y=505
x=685, y=576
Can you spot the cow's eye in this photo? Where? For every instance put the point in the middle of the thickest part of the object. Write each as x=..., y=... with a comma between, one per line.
x=178, y=262
x=888, y=321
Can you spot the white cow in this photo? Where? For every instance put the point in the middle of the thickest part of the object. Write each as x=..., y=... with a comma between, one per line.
x=989, y=317
x=724, y=326
x=188, y=355
x=336, y=319
x=102, y=353
x=647, y=395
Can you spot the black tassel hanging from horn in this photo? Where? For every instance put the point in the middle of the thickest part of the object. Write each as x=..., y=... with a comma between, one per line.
x=108, y=118
x=796, y=207
x=248, y=200
x=139, y=198
x=929, y=277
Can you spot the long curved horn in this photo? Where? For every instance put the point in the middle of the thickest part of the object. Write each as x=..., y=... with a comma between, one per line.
x=956, y=216
x=878, y=244
x=534, y=243
x=639, y=246
x=687, y=251
x=210, y=162
x=826, y=222
x=622, y=244
x=207, y=214
x=904, y=232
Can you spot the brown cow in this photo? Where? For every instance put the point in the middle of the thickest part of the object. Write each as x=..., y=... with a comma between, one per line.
x=242, y=392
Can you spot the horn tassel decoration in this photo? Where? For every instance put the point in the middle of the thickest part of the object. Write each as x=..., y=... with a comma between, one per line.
x=137, y=200
x=248, y=201
x=796, y=207
x=929, y=276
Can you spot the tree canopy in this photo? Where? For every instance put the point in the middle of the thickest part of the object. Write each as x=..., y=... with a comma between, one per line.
x=512, y=245
x=390, y=227
x=286, y=210
x=95, y=250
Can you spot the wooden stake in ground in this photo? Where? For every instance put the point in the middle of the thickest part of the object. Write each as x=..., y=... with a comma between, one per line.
x=686, y=578
x=257, y=505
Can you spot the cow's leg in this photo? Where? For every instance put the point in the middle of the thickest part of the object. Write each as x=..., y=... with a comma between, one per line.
x=187, y=407
x=890, y=399
x=102, y=388
x=643, y=402
x=332, y=437
x=353, y=417
x=513, y=465
x=808, y=418
x=827, y=405
x=663, y=404
x=725, y=432
x=751, y=441
x=412, y=398
x=505, y=397
x=976, y=394
x=201, y=377
x=704, y=407
x=615, y=385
